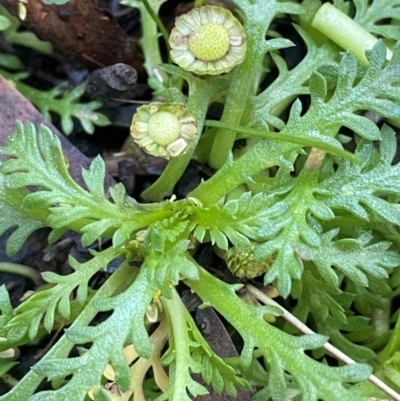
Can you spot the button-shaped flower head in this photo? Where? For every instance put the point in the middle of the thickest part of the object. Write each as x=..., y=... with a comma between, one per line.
x=163, y=129
x=241, y=262
x=208, y=40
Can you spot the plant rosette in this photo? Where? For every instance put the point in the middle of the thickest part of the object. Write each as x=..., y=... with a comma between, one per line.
x=208, y=41
x=163, y=129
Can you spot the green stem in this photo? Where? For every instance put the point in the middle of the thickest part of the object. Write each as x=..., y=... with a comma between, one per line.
x=282, y=137
x=344, y=31
x=244, y=76
x=151, y=50
x=392, y=346
x=21, y=270
x=159, y=23
x=27, y=386
x=380, y=318
x=200, y=96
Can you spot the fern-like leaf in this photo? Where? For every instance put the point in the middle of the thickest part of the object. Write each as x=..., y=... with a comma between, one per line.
x=316, y=297
x=327, y=305
x=189, y=351
x=66, y=104
x=175, y=263
x=11, y=217
x=6, y=310
x=376, y=91
x=364, y=190
x=39, y=310
x=288, y=236
x=107, y=347
x=371, y=14
x=289, y=84
x=59, y=202
x=355, y=258
x=375, y=296
x=238, y=220
x=284, y=353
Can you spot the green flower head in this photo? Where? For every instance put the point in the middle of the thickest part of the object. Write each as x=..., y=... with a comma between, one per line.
x=163, y=129
x=241, y=262
x=208, y=40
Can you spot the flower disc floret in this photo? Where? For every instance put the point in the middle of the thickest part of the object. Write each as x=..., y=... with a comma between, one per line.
x=163, y=129
x=208, y=40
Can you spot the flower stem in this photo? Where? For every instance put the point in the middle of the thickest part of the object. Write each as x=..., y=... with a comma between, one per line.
x=21, y=270
x=281, y=136
x=158, y=21
x=201, y=93
x=150, y=46
x=244, y=76
x=344, y=31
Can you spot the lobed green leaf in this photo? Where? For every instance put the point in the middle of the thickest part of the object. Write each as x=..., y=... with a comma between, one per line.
x=40, y=309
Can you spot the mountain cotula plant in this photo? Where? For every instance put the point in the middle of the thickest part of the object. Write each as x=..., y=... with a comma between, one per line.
x=318, y=223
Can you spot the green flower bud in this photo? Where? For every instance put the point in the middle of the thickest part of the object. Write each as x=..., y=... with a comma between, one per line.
x=241, y=262
x=208, y=40
x=163, y=129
